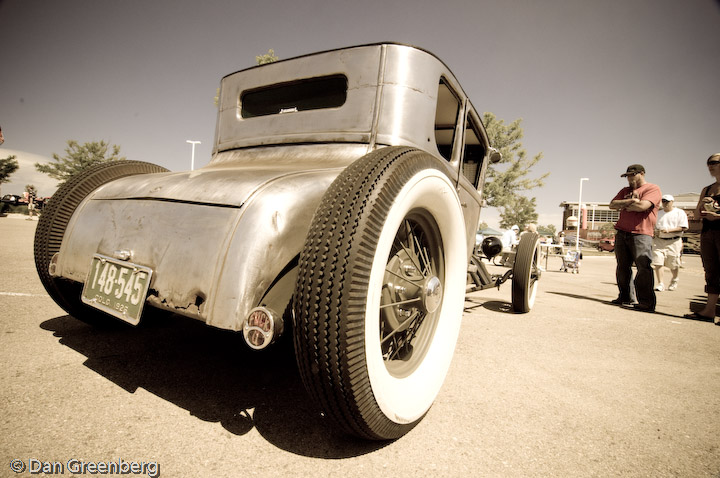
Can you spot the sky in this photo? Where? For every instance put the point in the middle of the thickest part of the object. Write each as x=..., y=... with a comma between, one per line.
x=599, y=85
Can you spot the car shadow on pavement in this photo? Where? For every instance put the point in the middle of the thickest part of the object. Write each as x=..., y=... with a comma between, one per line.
x=213, y=375
x=472, y=303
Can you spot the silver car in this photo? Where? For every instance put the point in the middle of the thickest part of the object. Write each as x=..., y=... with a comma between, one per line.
x=340, y=206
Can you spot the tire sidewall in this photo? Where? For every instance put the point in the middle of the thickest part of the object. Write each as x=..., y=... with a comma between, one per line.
x=532, y=293
x=407, y=399
x=533, y=284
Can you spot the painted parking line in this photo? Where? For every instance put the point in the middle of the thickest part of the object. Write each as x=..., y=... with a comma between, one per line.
x=22, y=294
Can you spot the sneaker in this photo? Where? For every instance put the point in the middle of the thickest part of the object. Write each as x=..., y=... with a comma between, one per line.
x=642, y=308
x=673, y=285
x=660, y=287
x=620, y=301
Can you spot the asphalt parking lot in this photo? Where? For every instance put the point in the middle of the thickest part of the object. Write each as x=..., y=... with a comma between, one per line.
x=577, y=387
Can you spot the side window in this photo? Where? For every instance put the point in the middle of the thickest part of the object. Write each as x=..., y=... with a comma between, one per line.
x=446, y=114
x=474, y=152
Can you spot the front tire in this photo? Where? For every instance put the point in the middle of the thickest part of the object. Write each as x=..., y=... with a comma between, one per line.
x=55, y=218
x=526, y=272
x=380, y=292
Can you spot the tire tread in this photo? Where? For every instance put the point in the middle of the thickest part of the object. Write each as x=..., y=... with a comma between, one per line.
x=333, y=281
x=522, y=271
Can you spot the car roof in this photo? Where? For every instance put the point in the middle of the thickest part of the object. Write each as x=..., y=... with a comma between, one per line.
x=391, y=99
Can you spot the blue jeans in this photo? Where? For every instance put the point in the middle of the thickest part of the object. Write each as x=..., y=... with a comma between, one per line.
x=635, y=248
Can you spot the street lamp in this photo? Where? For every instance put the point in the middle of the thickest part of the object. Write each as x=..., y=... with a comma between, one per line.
x=192, y=160
x=593, y=205
x=577, y=235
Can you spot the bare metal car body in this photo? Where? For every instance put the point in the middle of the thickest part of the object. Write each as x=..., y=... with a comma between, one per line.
x=225, y=239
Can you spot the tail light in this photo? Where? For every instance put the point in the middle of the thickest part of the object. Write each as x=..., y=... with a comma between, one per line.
x=261, y=327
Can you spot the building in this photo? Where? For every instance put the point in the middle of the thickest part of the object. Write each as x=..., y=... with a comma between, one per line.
x=593, y=215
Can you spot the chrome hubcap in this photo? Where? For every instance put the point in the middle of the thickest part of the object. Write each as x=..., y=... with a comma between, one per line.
x=432, y=294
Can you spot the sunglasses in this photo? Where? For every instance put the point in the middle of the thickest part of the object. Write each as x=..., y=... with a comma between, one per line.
x=713, y=162
x=664, y=200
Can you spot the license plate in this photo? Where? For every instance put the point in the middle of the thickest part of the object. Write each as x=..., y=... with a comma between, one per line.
x=117, y=288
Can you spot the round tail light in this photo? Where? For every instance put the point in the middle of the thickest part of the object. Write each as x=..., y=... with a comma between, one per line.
x=261, y=327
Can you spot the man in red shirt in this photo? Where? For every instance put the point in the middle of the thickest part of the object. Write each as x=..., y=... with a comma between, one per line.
x=638, y=205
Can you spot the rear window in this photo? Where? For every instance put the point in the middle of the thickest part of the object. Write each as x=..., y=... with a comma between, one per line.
x=302, y=95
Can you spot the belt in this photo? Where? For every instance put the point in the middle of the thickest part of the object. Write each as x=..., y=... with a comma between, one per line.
x=670, y=238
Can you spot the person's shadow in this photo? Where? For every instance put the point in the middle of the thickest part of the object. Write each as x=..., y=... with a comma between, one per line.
x=213, y=375
x=695, y=306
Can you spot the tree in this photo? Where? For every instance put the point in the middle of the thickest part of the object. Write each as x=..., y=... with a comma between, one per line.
x=268, y=57
x=78, y=158
x=548, y=230
x=8, y=166
x=518, y=210
x=505, y=185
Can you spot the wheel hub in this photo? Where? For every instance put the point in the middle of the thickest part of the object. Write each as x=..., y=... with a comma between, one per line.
x=432, y=294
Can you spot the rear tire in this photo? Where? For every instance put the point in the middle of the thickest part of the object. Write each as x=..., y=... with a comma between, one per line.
x=526, y=272
x=54, y=220
x=380, y=292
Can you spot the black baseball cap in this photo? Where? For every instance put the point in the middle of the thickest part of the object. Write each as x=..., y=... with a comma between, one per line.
x=633, y=169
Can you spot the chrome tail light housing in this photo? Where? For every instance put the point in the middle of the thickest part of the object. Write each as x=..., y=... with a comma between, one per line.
x=261, y=327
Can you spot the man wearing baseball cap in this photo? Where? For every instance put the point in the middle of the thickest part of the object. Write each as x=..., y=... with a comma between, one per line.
x=667, y=244
x=638, y=205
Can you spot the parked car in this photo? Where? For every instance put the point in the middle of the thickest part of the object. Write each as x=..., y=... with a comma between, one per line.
x=13, y=199
x=340, y=206
x=607, y=244
x=22, y=200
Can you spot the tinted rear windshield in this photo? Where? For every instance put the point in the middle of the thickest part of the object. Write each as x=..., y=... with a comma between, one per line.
x=301, y=95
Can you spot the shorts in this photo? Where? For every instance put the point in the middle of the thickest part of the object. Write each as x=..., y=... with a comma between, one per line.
x=667, y=252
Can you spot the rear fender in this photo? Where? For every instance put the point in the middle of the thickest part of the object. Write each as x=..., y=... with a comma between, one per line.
x=259, y=267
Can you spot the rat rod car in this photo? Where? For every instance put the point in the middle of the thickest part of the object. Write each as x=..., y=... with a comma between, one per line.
x=340, y=205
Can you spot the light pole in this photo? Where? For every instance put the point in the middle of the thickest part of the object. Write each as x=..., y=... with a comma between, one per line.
x=192, y=159
x=593, y=216
x=577, y=235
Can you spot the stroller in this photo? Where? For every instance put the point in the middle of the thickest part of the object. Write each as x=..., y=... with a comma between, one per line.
x=571, y=262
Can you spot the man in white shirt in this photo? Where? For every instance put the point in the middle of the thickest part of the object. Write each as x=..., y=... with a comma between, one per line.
x=509, y=239
x=667, y=243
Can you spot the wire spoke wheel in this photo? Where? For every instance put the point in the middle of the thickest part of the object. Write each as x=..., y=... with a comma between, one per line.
x=411, y=294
